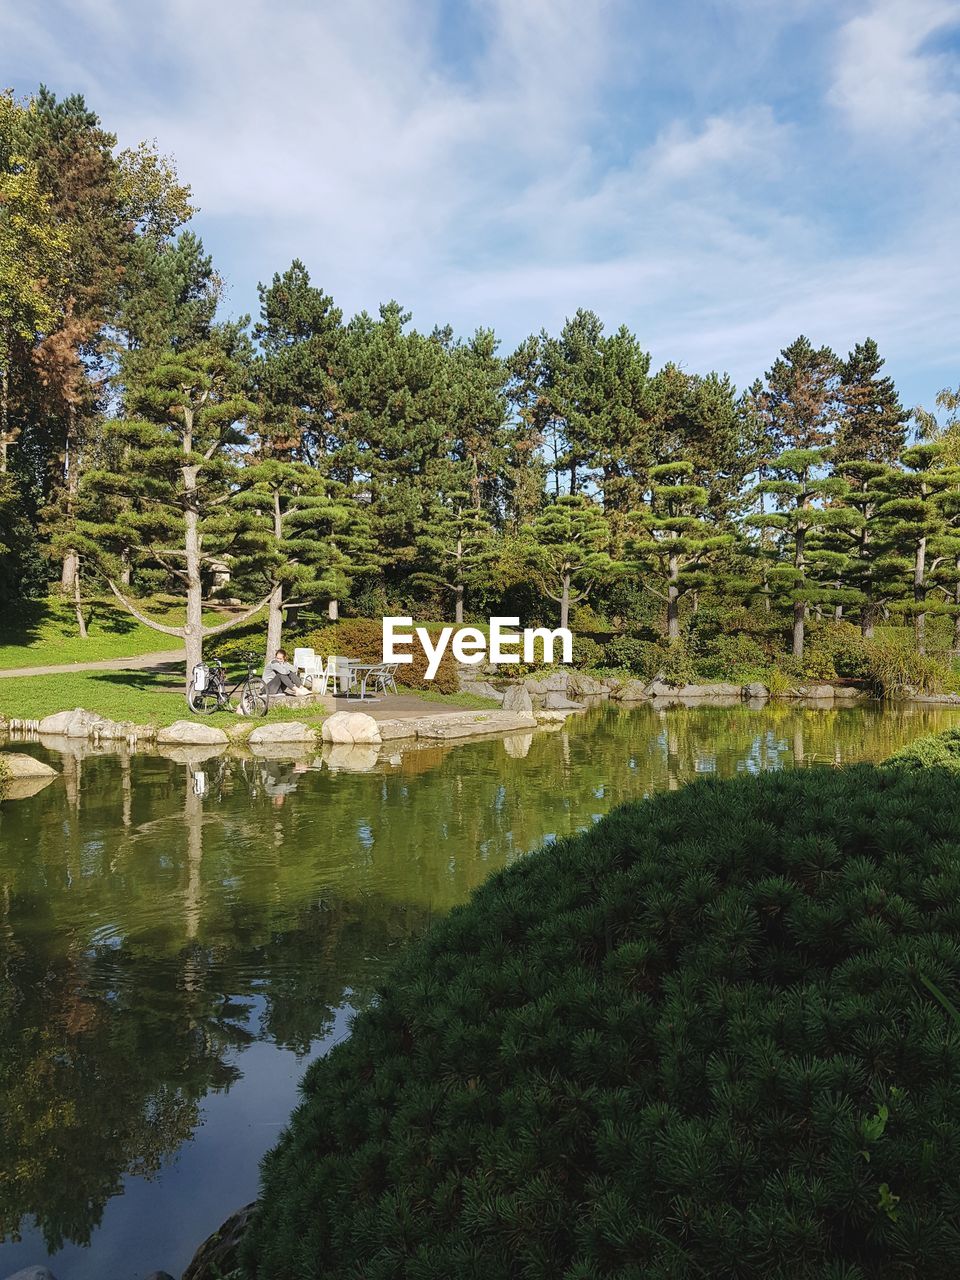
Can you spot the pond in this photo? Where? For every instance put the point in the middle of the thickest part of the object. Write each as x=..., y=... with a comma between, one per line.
x=178, y=941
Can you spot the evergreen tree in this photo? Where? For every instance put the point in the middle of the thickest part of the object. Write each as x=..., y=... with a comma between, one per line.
x=455, y=547
x=180, y=463
x=567, y=546
x=802, y=494
x=872, y=424
x=675, y=537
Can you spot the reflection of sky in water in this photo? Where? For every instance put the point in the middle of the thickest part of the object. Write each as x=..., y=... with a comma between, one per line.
x=214, y=940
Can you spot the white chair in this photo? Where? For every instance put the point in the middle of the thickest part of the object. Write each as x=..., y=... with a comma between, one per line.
x=305, y=661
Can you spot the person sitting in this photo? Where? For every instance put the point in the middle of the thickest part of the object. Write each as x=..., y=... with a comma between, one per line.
x=281, y=676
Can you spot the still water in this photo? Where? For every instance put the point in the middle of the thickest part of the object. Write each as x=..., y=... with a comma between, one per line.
x=179, y=937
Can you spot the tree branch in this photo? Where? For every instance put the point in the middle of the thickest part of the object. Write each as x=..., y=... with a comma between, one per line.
x=234, y=622
x=142, y=617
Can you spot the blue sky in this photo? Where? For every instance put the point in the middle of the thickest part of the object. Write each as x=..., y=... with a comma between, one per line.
x=720, y=175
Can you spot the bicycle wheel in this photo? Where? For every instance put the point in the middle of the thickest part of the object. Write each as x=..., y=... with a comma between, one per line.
x=253, y=699
x=203, y=703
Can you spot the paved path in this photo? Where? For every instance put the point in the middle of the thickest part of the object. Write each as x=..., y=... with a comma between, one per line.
x=142, y=662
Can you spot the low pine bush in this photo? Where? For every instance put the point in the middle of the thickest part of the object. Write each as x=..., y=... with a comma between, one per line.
x=694, y=1041
x=938, y=750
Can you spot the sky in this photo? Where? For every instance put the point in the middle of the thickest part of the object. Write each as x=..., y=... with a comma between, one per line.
x=719, y=175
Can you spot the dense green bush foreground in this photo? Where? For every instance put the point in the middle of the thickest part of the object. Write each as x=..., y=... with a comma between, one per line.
x=690, y=1042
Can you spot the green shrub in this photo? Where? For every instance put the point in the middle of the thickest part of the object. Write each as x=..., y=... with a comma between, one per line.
x=633, y=654
x=587, y=652
x=732, y=657
x=895, y=668
x=363, y=638
x=691, y=1042
x=940, y=750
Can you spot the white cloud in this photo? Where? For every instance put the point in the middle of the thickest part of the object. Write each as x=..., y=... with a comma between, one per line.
x=563, y=154
x=886, y=82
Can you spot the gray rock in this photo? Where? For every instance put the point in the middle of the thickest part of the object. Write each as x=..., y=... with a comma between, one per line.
x=560, y=702
x=556, y=682
x=15, y=765
x=584, y=686
x=349, y=727
x=516, y=698
x=847, y=693
x=473, y=724
x=282, y=731
x=756, y=689
x=659, y=689
x=33, y=1273
x=189, y=731
x=632, y=691
x=481, y=689
x=818, y=692
x=78, y=723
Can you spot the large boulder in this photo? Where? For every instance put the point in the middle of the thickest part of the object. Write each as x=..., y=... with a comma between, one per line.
x=660, y=689
x=189, y=731
x=78, y=723
x=516, y=698
x=282, y=731
x=631, y=691
x=579, y=684
x=15, y=765
x=556, y=682
x=547, y=716
x=848, y=693
x=560, y=702
x=816, y=692
x=756, y=689
x=473, y=724
x=349, y=727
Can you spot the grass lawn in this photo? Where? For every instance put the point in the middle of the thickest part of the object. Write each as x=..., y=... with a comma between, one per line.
x=44, y=632
x=470, y=701
x=145, y=697
x=148, y=697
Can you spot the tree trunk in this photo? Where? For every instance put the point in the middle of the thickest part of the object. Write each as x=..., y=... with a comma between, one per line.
x=565, y=599
x=919, y=573
x=126, y=568
x=274, y=620
x=70, y=567
x=4, y=413
x=78, y=604
x=866, y=620
x=799, y=607
x=458, y=608
x=275, y=607
x=673, y=599
x=956, y=616
x=333, y=610
x=193, y=628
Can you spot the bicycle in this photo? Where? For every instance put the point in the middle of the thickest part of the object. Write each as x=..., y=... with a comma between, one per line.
x=208, y=690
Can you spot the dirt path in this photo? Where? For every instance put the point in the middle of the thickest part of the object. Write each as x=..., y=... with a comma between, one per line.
x=142, y=662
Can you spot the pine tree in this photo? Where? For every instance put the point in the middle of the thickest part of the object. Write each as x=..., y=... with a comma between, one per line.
x=803, y=495
x=180, y=463
x=675, y=538
x=567, y=546
x=908, y=520
x=872, y=424
x=455, y=547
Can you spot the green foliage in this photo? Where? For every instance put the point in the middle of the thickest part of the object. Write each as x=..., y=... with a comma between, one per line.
x=587, y=652
x=630, y=653
x=937, y=750
x=896, y=669
x=692, y=1041
x=732, y=657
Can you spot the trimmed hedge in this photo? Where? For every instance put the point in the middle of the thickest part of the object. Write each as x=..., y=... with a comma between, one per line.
x=690, y=1042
